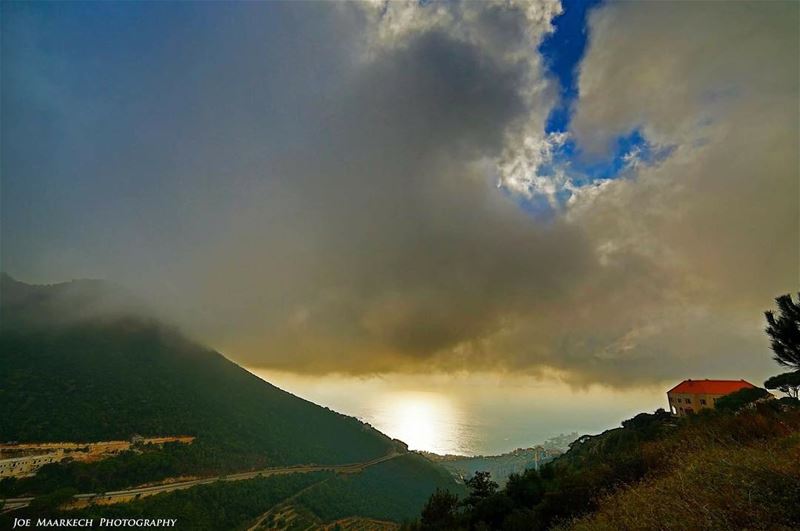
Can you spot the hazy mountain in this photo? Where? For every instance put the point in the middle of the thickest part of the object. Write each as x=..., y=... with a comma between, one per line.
x=79, y=362
x=64, y=303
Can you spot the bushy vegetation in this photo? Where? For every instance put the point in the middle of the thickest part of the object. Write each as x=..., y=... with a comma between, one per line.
x=755, y=486
x=654, y=457
x=222, y=505
x=735, y=467
x=741, y=398
x=393, y=490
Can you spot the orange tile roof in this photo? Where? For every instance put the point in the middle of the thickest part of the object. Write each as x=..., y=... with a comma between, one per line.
x=710, y=387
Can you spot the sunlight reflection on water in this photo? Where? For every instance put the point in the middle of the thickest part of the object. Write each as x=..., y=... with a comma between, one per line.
x=470, y=415
x=425, y=421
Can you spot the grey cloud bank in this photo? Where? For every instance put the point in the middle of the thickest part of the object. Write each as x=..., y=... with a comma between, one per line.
x=313, y=187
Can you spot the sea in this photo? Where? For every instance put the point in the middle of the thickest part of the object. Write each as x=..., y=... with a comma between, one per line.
x=471, y=414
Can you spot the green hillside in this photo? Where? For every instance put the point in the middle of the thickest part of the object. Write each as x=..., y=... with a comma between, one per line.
x=393, y=490
x=224, y=505
x=73, y=368
x=102, y=381
x=723, y=469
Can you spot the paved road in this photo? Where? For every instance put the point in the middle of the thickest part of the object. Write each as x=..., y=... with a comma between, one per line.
x=122, y=495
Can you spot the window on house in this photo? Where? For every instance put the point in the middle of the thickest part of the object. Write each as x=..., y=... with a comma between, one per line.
x=688, y=400
x=703, y=401
x=679, y=400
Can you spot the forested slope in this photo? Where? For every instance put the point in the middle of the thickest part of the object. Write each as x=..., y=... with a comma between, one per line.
x=73, y=370
x=727, y=469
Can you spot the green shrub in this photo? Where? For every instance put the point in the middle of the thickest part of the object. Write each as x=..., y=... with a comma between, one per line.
x=741, y=398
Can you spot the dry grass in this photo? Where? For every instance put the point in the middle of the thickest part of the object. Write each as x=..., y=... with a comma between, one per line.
x=752, y=483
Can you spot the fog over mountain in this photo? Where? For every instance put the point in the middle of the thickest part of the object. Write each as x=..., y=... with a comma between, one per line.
x=371, y=188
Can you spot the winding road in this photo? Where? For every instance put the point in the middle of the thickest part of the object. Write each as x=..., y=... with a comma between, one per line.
x=119, y=496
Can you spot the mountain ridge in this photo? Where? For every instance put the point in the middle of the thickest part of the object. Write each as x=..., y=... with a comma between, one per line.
x=101, y=373
x=103, y=377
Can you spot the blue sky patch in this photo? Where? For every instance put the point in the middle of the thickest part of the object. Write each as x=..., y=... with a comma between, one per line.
x=562, y=52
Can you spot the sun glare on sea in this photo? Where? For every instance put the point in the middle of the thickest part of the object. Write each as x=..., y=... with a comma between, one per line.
x=424, y=421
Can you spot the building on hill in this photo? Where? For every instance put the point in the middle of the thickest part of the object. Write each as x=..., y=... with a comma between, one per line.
x=690, y=396
x=27, y=465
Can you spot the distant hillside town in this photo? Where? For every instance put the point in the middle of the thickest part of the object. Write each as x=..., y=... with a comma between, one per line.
x=502, y=466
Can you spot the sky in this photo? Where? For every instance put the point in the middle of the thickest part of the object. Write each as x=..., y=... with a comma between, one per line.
x=597, y=193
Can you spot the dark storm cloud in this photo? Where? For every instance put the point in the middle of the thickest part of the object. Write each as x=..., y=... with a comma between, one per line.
x=313, y=186
x=399, y=246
